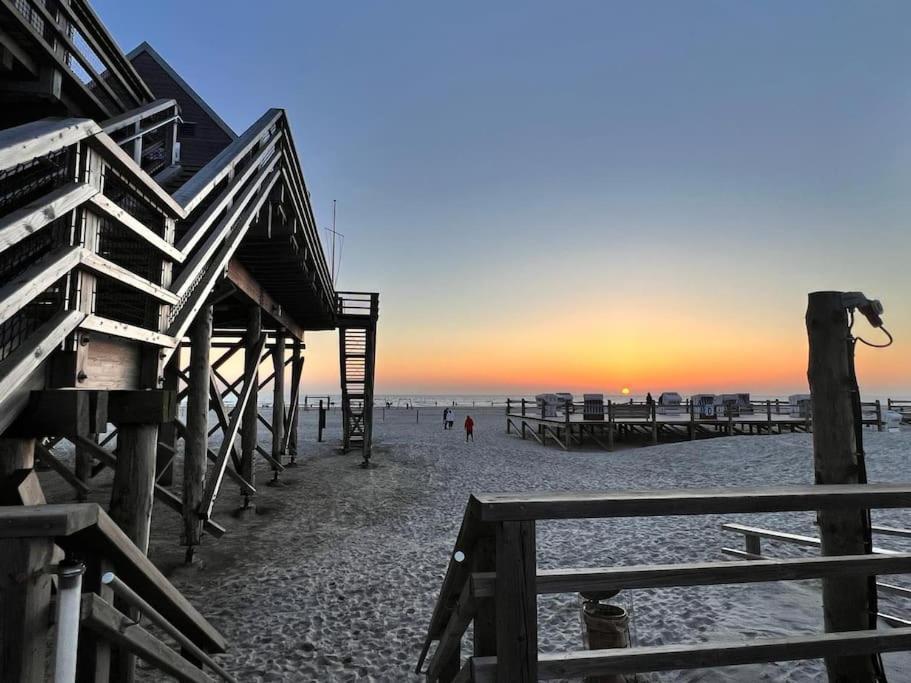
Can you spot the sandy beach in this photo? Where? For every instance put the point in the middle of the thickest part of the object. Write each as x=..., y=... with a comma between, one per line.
x=335, y=577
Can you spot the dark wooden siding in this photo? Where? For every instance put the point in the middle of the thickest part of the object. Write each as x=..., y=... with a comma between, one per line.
x=208, y=138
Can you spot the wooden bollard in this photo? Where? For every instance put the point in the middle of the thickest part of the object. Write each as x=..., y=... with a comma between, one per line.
x=879, y=416
x=768, y=412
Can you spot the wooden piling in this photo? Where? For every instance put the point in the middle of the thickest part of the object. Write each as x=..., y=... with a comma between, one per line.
x=296, y=372
x=25, y=588
x=249, y=425
x=197, y=436
x=134, y=480
x=278, y=399
x=167, y=433
x=846, y=605
x=879, y=416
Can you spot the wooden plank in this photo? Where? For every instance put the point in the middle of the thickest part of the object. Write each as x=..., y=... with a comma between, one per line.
x=591, y=504
x=109, y=269
x=17, y=369
x=891, y=531
x=252, y=290
x=204, y=181
x=704, y=573
x=38, y=138
x=17, y=292
x=171, y=500
x=46, y=521
x=110, y=209
x=115, y=328
x=240, y=226
x=198, y=230
x=674, y=657
x=149, y=406
x=115, y=123
x=214, y=483
x=100, y=617
x=122, y=162
x=516, y=603
x=45, y=456
x=450, y=642
x=28, y=220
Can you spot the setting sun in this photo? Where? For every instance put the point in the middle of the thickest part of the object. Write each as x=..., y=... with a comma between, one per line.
x=625, y=391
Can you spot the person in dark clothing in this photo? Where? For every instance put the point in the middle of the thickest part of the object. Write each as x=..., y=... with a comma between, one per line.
x=648, y=399
x=469, y=429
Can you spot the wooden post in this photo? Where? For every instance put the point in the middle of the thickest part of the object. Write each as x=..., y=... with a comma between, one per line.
x=523, y=407
x=753, y=544
x=879, y=416
x=569, y=435
x=768, y=413
x=321, y=422
x=485, y=622
x=296, y=372
x=197, y=436
x=134, y=481
x=610, y=425
x=516, y=603
x=249, y=426
x=167, y=433
x=846, y=605
x=83, y=467
x=730, y=421
x=278, y=399
x=692, y=422
x=25, y=588
x=654, y=417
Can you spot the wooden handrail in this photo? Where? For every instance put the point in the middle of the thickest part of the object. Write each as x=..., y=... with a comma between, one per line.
x=588, y=504
x=79, y=527
x=694, y=656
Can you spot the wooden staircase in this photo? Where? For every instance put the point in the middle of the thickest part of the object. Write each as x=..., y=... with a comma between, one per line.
x=357, y=316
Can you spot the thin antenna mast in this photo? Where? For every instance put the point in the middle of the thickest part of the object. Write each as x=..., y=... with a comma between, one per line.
x=333, y=243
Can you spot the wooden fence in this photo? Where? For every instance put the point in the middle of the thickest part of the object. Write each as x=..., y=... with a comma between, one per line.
x=492, y=583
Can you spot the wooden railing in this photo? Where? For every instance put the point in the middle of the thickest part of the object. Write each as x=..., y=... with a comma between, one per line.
x=364, y=304
x=69, y=37
x=115, y=569
x=78, y=214
x=492, y=583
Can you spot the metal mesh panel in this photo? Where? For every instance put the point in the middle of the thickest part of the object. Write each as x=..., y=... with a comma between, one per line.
x=28, y=181
x=127, y=198
x=116, y=301
x=126, y=249
x=40, y=309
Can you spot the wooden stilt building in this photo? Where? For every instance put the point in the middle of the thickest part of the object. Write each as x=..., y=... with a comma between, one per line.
x=143, y=245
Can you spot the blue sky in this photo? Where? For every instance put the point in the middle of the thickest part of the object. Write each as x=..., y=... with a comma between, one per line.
x=493, y=160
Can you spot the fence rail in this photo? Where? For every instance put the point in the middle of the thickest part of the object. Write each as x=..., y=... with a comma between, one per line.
x=492, y=582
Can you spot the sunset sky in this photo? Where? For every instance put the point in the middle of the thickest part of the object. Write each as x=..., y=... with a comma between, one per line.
x=582, y=195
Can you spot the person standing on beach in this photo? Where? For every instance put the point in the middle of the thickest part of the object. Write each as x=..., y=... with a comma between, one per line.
x=451, y=418
x=469, y=429
x=445, y=418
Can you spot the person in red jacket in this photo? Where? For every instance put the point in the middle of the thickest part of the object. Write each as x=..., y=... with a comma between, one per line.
x=469, y=429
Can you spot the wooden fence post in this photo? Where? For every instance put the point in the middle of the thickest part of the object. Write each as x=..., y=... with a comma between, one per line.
x=516, y=600
x=879, y=416
x=846, y=605
x=610, y=425
x=654, y=417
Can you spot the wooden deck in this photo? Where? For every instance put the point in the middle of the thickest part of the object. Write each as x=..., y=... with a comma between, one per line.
x=635, y=423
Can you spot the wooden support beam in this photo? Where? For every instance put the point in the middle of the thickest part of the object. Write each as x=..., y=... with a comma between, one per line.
x=46, y=457
x=134, y=481
x=107, y=622
x=846, y=600
x=297, y=370
x=249, y=441
x=142, y=407
x=167, y=433
x=278, y=398
x=214, y=482
x=25, y=588
x=61, y=412
x=253, y=291
x=196, y=442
